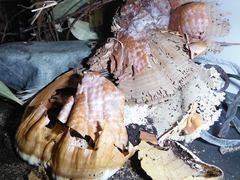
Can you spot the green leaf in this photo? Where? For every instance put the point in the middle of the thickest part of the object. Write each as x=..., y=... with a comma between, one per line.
x=5, y=92
x=67, y=7
x=81, y=30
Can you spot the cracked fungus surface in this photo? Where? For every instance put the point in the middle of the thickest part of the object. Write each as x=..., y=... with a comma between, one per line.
x=91, y=143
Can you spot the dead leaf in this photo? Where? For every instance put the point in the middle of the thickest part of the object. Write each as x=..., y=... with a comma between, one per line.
x=148, y=137
x=175, y=163
x=193, y=122
x=81, y=30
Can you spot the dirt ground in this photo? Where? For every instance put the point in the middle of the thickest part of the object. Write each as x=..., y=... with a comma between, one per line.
x=12, y=167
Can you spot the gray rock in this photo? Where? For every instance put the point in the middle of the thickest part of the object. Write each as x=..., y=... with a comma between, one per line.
x=32, y=65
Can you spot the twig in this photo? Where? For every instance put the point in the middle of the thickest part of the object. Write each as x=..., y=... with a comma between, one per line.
x=236, y=123
x=230, y=115
x=45, y=5
x=53, y=25
x=56, y=32
x=36, y=15
x=228, y=44
x=5, y=31
x=226, y=145
x=9, y=33
x=234, y=76
x=80, y=13
x=51, y=31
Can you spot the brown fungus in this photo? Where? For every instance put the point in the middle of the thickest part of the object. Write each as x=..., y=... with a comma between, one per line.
x=90, y=142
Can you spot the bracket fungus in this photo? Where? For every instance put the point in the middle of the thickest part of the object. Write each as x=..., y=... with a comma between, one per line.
x=76, y=125
x=170, y=70
x=201, y=21
x=166, y=82
x=173, y=118
x=91, y=142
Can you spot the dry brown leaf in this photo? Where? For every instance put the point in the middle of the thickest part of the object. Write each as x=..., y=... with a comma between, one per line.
x=175, y=163
x=148, y=137
x=189, y=123
x=193, y=122
x=197, y=48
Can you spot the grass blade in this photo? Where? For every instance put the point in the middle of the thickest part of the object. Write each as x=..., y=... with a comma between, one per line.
x=5, y=92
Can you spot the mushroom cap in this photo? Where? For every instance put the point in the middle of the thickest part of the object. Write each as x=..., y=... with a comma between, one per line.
x=170, y=69
x=200, y=21
x=191, y=19
x=138, y=17
x=91, y=143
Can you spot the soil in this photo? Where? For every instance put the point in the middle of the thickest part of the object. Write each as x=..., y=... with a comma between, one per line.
x=13, y=167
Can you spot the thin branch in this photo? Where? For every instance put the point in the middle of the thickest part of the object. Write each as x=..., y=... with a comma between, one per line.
x=228, y=44
x=5, y=31
x=41, y=7
x=230, y=115
x=46, y=4
x=235, y=76
x=51, y=31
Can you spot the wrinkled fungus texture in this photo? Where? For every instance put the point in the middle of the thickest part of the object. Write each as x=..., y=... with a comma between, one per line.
x=128, y=52
x=191, y=19
x=90, y=142
x=76, y=125
x=201, y=90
